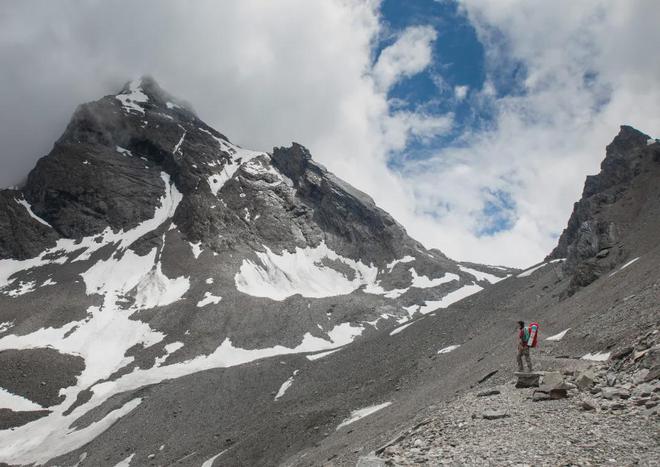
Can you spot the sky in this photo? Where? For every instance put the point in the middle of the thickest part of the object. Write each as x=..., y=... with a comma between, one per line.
x=473, y=122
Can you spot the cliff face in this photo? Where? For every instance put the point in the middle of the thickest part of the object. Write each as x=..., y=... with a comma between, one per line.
x=605, y=228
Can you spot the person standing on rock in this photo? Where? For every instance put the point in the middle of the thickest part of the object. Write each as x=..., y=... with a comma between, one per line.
x=523, y=347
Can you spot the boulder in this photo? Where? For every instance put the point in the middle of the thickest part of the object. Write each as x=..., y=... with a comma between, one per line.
x=585, y=380
x=615, y=393
x=528, y=380
x=552, y=378
x=494, y=414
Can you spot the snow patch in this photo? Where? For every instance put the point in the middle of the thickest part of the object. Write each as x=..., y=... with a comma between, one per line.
x=196, y=249
x=28, y=208
x=361, y=413
x=126, y=462
x=177, y=147
x=558, y=336
x=450, y=298
x=301, y=272
x=286, y=385
x=48, y=282
x=317, y=356
x=405, y=259
x=399, y=329
x=209, y=462
x=448, y=349
x=597, y=357
x=123, y=152
x=624, y=266
x=423, y=282
x=16, y=403
x=208, y=299
x=531, y=270
x=480, y=275
x=155, y=289
x=169, y=350
x=133, y=97
x=21, y=289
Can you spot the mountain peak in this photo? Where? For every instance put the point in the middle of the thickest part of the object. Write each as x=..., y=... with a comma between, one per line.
x=627, y=139
x=141, y=93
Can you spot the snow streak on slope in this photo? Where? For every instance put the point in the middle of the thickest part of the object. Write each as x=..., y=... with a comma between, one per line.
x=481, y=276
x=449, y=299
x=358, y=414
x=532, y=270
x=448, y=349
x=285, y=386
x=301, y=272
x=16, y=403
x=423, y=282
x=559, y=336
x=28, y=208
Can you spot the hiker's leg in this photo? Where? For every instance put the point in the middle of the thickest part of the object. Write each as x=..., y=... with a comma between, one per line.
x=528, y=359
x=520, y=362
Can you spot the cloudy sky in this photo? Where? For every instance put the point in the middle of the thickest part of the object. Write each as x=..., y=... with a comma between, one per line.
x=474, y=123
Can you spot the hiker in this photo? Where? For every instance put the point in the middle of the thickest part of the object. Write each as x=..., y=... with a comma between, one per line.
x=523, y=347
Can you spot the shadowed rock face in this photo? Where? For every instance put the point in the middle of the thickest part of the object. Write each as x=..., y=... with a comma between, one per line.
x=603, y=230
x=21, y=235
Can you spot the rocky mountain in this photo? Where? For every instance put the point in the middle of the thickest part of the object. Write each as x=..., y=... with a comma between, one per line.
x=163, y=290
x=618, y=217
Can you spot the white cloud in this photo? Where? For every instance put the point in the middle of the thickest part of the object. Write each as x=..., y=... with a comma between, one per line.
x=589, y=69
x=460, y=92
x=266, y=79
x=410, y=54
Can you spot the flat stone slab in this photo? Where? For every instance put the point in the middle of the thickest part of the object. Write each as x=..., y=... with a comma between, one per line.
x=528, y=380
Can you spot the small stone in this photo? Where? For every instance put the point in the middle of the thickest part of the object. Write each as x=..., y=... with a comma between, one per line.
x=418, y=442
x=494, y=414
x=488, y=392
x=540, y=396
x=588, y=404
x=643, y=390
x=151, y=456
x=611, y=379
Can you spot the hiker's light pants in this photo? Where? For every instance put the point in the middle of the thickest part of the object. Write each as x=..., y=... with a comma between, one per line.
x=524, y=352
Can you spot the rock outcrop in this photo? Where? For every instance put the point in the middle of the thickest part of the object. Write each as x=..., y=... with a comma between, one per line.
x=601, y=232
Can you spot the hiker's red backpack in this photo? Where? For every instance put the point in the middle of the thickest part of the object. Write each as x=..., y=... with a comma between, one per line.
x=533, y=333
